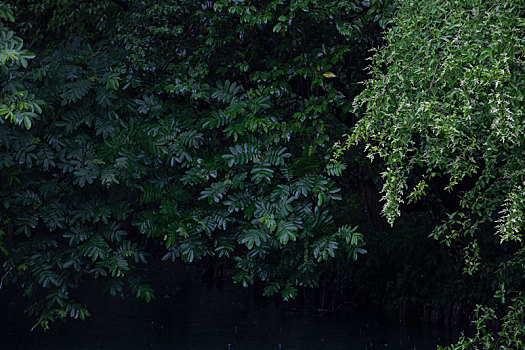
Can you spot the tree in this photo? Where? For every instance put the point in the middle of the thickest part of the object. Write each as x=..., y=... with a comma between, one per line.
x=210, y=137
x=443, y=111
x=248, y=88
x=62, y=224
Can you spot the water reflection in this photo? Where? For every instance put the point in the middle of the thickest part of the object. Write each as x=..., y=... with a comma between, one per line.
x=188, y=314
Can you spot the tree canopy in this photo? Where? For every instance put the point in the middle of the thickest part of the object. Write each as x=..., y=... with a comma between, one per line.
x=445, y=108
x=210, y=136
x=443, y=111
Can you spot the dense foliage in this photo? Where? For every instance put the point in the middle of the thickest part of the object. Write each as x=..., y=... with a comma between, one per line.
x=511, y=335
x=204, y=130
x=210, y=136
x=450, y=104
x=444, y=113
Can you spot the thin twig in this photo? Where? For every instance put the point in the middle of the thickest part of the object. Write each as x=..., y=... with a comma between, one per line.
x=412, y=63
x=490, y=8
x=4, y=276
x=434, y=77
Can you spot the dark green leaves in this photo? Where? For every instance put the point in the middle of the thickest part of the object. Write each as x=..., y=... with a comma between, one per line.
x=286, y=231
x=215, y=192
x=74, y=91
x=253, y=237
x=209, y=139
x=96, y=248
x=324, y=248
x=242, y=154
x=261, y=172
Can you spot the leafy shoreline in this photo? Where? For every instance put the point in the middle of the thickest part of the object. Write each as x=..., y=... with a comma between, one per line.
x=207, y=131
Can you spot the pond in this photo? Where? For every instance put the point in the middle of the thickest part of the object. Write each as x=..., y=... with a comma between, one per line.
x=189, y=314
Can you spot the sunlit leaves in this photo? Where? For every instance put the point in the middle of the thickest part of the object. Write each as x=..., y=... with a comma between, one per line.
x=440, y=106
x=509, y=336
x=443, y=112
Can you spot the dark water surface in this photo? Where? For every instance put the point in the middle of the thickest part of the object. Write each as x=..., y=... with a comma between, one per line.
x=188, y=314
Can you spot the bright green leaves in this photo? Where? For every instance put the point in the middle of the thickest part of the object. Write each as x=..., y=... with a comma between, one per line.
x=438, y=106
x=509, y=337
x=472, y=258
x=18, y=106
x=11, y=53
x=441, y=103
x=21, y=108
x=511, y=224
x=443, y=113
